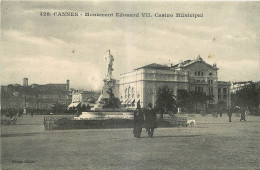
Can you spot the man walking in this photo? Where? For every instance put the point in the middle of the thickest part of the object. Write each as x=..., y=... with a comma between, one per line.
x=243, y=114
x=150, y=120
x=229, y=113
x=138, y=121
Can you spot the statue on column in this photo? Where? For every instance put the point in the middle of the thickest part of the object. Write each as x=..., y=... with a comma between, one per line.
x=109, y=60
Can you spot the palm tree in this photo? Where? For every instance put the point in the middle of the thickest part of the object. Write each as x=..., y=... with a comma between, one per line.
x=166, y=100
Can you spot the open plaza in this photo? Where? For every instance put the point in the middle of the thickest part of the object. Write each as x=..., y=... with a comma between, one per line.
x=214, y=143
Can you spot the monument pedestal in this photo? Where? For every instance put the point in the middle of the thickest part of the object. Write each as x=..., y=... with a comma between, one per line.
x=109, y=83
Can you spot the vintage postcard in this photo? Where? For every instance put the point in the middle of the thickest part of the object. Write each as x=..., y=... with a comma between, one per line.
x=130, y=85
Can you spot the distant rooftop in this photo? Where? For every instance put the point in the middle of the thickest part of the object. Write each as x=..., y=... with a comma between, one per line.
x=155, y=66
x=190, y=62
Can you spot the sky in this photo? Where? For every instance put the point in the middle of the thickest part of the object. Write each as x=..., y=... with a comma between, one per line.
x=56, y=48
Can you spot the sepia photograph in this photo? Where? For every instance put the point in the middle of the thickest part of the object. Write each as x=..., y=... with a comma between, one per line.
x=130, y=85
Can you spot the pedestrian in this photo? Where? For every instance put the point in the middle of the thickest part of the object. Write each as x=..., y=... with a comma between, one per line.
x=138, y=121
x=150, y=121
x=220, y=112
x=31, y=113
x=243, y=114
x=229, y=113
x=20, y=113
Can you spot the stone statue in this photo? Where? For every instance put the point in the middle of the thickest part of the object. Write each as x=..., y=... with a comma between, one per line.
x=111, y=94
x=109, y=60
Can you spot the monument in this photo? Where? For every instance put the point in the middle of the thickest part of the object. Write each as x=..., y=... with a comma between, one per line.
x=108, y=105
x=109, y=84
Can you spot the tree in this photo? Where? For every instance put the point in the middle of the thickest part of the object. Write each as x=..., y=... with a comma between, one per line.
x=58, y=108
x=248, y=96
x=200, y=98
x=210, y=97
x=166, y=100
x=197, y=98
x=37, y=97
x=184, y=99
x=221, y=104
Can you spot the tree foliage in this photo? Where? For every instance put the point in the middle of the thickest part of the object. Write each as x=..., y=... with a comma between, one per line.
x=166, y=100
x=193, y=99
x=248, y=96
x=184, y=99
x=58, y=108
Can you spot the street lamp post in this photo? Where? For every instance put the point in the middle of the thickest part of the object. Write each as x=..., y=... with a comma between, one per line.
x=24, y=108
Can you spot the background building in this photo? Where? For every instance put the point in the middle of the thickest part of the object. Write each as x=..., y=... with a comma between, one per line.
x=192, y=75
x=34, y=96
x=235, y=86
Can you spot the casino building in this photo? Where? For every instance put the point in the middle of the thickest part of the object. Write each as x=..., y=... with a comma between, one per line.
x=142, y=84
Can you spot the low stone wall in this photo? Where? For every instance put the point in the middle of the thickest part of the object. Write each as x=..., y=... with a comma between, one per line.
x=68, y=122
x=62, y=123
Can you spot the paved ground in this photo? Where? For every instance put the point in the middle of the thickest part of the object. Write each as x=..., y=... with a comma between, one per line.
x=213, y=144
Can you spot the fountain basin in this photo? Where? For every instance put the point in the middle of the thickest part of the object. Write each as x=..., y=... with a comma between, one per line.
x=105, y=115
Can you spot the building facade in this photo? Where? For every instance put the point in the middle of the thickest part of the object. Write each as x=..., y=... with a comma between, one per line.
x=143, y=84
x=34, y=96
x=236, y=86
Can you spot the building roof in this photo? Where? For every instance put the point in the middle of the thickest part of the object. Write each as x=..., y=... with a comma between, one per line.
x=224, y=83
x=242, y=82
x=187, y=63
x=154, y=66
x=184, y=63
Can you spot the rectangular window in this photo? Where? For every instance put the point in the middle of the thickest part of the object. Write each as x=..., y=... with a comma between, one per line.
x=224, y=90
x=196, y=89
x=199, y=89
x=201, y=73
x=198, y=73
x=195, y=73
x=210, y=90
x=219, y=90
